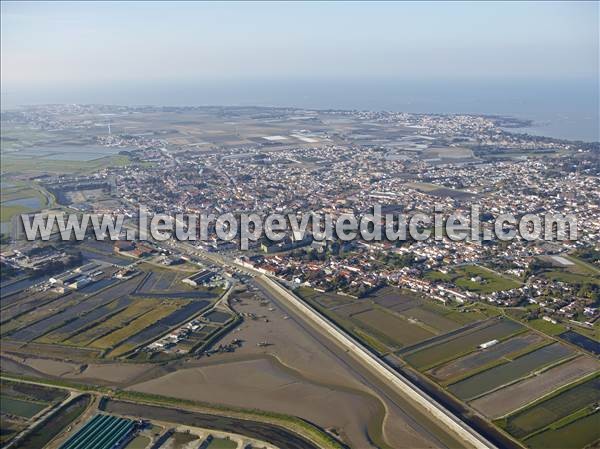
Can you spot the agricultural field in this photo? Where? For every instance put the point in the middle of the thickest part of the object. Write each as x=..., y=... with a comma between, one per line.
x=442, y=343
x=21, y=199
x=221, y=443
x=18, y=407
x=326, y=299
x=108, y=320
x=544, y=413
x=509, y=372
x=546, y=327
x=71, y=306
x=461, y=343
x=431, y=316
x=473, y=362
x=71, y=310
x=576, y=434
x=21, y=303
x=113, y=339
x=571, y=270
x=582, y=341
x=46, y=166
x=572, y=278
x=137, y=308
x=153, y=324
x=86, y=320
x=513, y=397
x=398, y=331
x=160, y=282
x=391, y=318
x=396, y=299
x=42, y=434
x=19, y=402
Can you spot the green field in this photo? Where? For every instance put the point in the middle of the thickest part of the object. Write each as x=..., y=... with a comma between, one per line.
x=7, y=212
x=462, y=344
x=432, y=316
x=401, y=332
x=18, y=192
x=490, y=281
x=487, y=281
x=18, y=407
x=391, y=318
x=114, y=338
x=31, y=392
x=49, y=166
x=139, y=442
x=326, y=299
x=221, y=443
x=438, y=276
x=42, y=434
x=576, y=435
x=572, y=278
x=508, y=372
x=118, y=321
x=547, y=327
x=550, y=410
x=471, y=314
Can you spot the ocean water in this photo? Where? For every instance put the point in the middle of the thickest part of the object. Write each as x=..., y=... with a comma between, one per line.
x=564, y=108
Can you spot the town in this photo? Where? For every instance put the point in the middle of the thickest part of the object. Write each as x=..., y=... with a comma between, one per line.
x=146, y=308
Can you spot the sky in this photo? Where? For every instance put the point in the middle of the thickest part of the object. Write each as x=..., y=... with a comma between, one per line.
x=45, y=44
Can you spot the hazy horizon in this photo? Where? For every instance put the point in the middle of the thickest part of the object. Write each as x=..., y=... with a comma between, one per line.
x=95, y=42
x=536, y=60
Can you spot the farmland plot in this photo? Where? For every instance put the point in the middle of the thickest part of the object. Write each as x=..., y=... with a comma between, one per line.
x=136, y=326
x=500, y=375
x=575, y=435
x=402, y=332
x=462, y=343
x=563, y=404
x=87, y=319
x=505, y=400
x=117, y=321
x=482, y=357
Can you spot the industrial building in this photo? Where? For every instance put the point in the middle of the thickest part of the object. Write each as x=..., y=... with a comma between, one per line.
x=200, y=278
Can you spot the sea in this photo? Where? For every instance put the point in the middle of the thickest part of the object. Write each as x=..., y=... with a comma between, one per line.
x=566, y=109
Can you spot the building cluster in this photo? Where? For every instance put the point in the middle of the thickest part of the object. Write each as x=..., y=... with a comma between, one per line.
x=411, y=168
